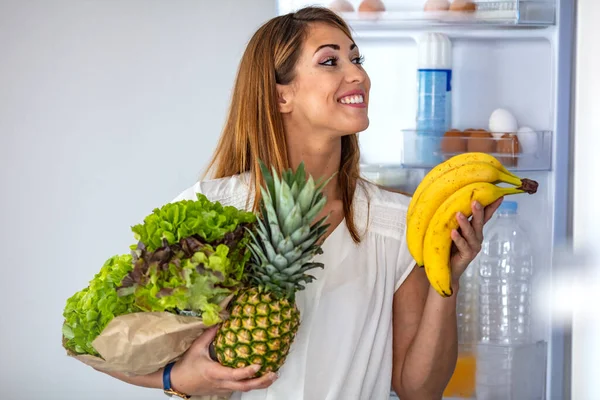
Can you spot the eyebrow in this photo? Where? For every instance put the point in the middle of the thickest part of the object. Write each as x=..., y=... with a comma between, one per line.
x=334, y=46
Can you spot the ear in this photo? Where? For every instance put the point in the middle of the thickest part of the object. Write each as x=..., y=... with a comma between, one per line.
x=285, y=98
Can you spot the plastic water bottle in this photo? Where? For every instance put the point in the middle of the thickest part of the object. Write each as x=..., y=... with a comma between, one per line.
x=466, y=307
x=434, y=95
x=510, y=365
x=505, y=266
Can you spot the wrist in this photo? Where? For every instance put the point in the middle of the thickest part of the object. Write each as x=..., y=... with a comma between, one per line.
x=455, y=286
x=171, y=383
x=438, y=298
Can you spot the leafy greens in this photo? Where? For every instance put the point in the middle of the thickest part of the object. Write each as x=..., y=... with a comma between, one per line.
x=189, y=257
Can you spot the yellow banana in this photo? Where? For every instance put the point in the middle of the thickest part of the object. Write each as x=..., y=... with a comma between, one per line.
x=436, y=193
x=451, y=163
x=438, y=242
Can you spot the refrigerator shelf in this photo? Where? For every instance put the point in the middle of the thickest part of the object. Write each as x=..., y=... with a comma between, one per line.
x=393, y=176
x=424, y=150
x=411, y=14
x=524, y=151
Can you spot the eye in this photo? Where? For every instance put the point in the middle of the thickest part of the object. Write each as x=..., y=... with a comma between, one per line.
x=359, y=60
x=330, y=62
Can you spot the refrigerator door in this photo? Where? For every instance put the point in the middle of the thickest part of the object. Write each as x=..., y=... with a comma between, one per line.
x=586, y=212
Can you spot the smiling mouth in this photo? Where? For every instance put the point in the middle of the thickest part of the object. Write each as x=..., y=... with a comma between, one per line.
x=353, y=99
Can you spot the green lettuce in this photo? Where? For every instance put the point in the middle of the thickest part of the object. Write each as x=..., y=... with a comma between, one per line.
x=191, y=276
x=175, y=221
x=189, y=257
x=88, y=311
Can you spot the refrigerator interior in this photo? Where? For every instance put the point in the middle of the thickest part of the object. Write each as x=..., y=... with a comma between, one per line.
x=512, y=54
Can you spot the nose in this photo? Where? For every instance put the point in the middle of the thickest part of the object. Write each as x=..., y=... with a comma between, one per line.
x=355, y=74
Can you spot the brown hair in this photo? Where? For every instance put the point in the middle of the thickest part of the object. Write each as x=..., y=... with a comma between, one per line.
x=254, y=127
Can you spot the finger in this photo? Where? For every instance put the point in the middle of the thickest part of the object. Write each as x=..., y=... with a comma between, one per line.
x=252, y=384
x=464, y=250
x=219, y=372
x=491, y=209
x=477, y=220
x=467, y=231
x=206, y=338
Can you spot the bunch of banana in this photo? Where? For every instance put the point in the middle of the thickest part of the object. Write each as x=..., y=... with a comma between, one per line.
x=447, y=189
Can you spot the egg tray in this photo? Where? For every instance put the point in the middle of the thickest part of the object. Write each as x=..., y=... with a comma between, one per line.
x=407, y=12
x=530, y=150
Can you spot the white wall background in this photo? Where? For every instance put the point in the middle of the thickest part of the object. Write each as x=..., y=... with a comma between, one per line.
x=107, y=109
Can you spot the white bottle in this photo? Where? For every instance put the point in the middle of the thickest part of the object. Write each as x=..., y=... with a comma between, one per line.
x=434, y=95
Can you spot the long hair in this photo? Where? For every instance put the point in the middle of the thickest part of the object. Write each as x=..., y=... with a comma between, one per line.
x=254, y=128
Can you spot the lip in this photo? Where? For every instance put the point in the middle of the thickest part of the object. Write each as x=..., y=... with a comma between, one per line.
x=354, y=93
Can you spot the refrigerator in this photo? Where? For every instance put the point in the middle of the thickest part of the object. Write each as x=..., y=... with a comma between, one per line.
x=578, y=291
x=515, y=55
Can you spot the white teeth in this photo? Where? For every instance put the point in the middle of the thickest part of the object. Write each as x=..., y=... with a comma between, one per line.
x=356, y=99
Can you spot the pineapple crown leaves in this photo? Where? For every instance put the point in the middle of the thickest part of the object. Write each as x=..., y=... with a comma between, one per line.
x=285, y=242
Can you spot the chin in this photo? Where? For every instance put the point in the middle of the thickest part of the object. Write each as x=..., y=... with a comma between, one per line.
x=359, y=127
x=350, y=127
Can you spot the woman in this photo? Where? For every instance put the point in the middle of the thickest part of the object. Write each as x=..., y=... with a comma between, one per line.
x=370, y=320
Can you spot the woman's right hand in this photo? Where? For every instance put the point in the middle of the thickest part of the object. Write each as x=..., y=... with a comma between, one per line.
x=196, y=374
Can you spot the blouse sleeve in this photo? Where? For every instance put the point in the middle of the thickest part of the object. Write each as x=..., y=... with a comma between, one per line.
x=189, y=193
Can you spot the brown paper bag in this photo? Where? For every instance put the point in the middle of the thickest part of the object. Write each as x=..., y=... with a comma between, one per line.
x=144, y=342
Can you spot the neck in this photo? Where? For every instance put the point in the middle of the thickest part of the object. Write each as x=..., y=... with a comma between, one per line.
x=321, y=153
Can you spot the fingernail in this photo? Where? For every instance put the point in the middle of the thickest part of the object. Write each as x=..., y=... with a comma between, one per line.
x=255, y=367
x=477, y=205
x=274, y=376
x=460, y=215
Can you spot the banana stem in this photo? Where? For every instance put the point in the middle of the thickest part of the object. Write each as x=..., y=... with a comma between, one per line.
x=528, y=185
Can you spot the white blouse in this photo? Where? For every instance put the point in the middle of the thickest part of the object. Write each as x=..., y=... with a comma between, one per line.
x=343, y=348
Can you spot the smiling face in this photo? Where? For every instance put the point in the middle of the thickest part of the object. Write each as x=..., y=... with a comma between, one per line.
x=329, y=93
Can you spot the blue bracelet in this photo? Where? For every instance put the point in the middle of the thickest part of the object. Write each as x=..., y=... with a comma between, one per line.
x=169, y=391
x=167, y=376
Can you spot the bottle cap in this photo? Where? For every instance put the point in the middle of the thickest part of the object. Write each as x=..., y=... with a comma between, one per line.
x=434, y=51
x=508, y=206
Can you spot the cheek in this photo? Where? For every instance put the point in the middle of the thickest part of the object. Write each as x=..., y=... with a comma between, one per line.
x=367, y=83
x=318, y=97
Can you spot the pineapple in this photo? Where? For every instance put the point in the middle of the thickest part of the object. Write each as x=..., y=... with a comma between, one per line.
x=263, y=318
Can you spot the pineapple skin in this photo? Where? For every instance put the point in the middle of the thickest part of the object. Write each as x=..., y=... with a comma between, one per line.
x=260, y=330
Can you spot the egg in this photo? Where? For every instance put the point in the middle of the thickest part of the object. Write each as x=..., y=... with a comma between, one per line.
x=528, y=140
x=454, y=142
x=341, y=6
x=371, y=6
x=463, y=5
x=437, y=5
x=508, y=144
x=480, y=140
x=501, y=122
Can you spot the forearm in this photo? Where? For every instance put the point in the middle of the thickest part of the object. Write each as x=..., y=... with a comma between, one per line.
x=153, y=380
x=431, y=357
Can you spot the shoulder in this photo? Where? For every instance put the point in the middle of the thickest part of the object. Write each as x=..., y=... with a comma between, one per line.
x=381, y=211
x=229, y=191
x=380, y=196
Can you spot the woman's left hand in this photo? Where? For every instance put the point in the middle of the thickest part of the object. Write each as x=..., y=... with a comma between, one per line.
x=467, y=242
